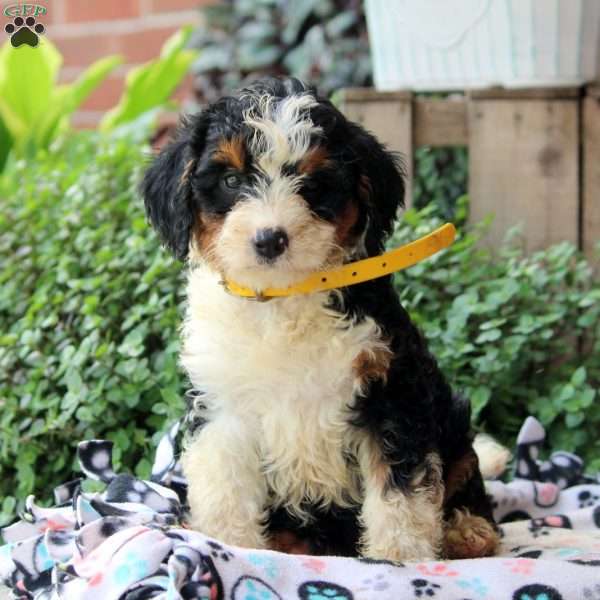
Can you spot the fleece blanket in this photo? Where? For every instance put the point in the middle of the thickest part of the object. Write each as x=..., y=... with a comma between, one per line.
x=129, y=542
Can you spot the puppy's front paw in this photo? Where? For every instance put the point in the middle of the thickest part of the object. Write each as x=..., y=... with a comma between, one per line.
x=469, y=536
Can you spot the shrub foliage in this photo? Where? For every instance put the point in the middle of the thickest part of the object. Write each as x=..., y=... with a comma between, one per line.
x=90, y=307
x=517, y=334
x=88, y=315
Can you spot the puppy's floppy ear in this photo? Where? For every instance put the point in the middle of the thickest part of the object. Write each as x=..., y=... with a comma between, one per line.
x=166, y=187
x=380, y=186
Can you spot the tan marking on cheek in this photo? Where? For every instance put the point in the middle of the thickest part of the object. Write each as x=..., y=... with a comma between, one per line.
x=231, y=152
x=372, y=364
x=345, y=223
x=316, y=158
x=205, y=235
x=460, y=472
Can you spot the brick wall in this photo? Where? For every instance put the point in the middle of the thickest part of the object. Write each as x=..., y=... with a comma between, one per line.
x=86, y=30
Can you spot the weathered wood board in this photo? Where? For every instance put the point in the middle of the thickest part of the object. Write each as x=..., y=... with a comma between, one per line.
x=389, y=117
x=590, y=216
x=524, y=168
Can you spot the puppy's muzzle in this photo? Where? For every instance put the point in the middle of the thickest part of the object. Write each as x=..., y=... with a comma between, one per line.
x=270, y=243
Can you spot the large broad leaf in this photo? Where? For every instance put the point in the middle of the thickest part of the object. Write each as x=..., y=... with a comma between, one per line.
x=151, y=85
x=32, y=106
x=27, y=80
x=6, y=143
x=67, y=98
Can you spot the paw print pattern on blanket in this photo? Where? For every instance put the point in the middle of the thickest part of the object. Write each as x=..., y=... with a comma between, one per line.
x=323, y=590
x=377, y=583
x=424, y=589
x=537, y=591
x=217, y=551
x=253, y=588
x=132, y=569
x=538, y=528
x=587, y=498
x=561, y=563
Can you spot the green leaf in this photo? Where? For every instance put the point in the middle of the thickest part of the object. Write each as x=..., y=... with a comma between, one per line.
x=574, y=419
x=27, y=79
x=479, y=397
x=490, y=335
x=491, y=324
x=66, y=99
x=587, y=397
x=579, y=376
x=33, y=108
x=150, y=86
x=6, y=143
x=566, y=393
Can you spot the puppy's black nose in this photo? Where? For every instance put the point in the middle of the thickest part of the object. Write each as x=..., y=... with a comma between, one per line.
x=270, y=243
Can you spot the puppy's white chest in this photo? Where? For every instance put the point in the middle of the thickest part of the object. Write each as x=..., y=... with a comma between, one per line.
x=284, y=368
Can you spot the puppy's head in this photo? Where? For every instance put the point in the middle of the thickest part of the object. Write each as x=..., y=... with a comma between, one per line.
x=272, y=185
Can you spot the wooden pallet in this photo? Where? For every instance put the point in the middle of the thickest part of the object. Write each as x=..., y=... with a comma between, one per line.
x=534, y=155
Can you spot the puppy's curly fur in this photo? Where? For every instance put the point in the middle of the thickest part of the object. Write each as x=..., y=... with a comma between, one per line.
x=322, y=416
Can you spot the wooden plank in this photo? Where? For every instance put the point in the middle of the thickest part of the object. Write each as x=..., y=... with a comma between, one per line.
x=391, y=122
x=593, y=90
x=523, y=167
x=590, y=221
x=440, y=122
x=371, y=95
x=500, y=93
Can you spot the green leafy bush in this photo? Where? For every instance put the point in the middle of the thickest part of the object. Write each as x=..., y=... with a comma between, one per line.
x=440, y=178
x=88, y=314
x=517, y=334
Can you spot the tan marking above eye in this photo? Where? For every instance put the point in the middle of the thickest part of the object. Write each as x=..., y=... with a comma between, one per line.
x=316, y=158
x=231, y=152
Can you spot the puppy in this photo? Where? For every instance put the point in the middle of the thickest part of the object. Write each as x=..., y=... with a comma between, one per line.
x=320, y=418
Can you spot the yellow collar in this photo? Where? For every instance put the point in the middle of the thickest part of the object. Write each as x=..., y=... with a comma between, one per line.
x=359, y=271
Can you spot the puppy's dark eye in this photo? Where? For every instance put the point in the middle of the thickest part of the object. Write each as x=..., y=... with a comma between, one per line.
x=232, y=181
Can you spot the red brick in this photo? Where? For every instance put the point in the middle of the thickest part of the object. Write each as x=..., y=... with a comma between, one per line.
x=55, y=12
x=185, y=91
x=158, y=6
x=84, y=11
x=106, y=95
x=84, y=119
x=144, y=45
x=81, y=51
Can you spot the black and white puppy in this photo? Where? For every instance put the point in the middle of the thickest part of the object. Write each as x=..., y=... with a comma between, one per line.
x=323, y=417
